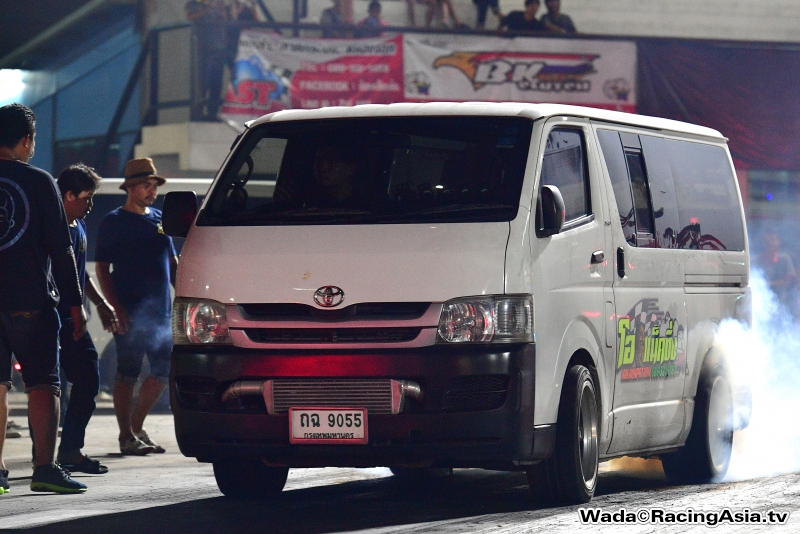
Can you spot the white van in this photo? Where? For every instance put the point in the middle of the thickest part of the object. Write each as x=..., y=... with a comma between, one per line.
x=428, y=286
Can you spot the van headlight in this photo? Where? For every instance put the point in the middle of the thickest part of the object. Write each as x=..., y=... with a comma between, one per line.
x=199, y=321
x=487, y=319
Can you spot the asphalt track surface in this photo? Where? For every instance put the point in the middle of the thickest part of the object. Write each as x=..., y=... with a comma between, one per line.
x=170, y=493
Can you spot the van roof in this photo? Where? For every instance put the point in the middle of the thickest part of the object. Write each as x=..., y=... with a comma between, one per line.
x=533, y=111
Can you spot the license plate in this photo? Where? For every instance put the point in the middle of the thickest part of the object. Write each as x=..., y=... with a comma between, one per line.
x=328, y=426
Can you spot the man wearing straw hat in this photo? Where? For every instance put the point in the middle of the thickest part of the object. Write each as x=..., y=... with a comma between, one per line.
x=132, y=241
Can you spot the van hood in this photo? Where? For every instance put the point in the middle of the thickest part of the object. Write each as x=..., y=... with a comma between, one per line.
x=375, y=263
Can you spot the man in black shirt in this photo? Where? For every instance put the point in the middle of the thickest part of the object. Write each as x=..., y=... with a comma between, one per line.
x=524, y=21
x=555, y=21
x=35, y=252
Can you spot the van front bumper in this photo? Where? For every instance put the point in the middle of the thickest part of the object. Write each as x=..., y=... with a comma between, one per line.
x=490, y=429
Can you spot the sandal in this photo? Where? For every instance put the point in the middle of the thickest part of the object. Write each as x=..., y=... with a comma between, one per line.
x=86, y=465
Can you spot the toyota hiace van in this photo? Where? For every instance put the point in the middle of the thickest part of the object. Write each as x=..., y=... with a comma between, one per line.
x=508, y=286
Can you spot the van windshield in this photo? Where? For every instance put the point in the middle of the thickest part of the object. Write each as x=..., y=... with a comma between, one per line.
x=374, y=171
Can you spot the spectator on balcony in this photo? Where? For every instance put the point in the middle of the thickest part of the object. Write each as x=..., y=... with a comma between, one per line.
x=524, y=21
x=444, y=8
x=555, y=21
x=334, y=19
x=372, y=25
x=412, y=19
x=240, y=13
x=483, y=7
x=210, y=18
x=243, y=11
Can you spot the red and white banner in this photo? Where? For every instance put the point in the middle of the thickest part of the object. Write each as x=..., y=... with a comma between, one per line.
x=274, y=73
x=523, y=69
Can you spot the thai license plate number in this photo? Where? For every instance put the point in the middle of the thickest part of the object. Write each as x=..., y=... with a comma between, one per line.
x=328, y=426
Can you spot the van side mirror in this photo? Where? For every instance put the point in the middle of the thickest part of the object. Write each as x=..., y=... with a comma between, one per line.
x=179, y=212
x=550, y=211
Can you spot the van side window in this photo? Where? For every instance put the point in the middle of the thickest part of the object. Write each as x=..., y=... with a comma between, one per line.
x=708, y=205
x=618, y=172
x=564, y=166
x=662, y=191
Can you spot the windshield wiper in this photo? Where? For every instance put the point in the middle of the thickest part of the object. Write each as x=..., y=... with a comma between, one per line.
x=296, y=213
x=456, y=208
x=412, y=216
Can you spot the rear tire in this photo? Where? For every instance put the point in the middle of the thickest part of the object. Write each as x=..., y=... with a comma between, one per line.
x=249, y=478
x=706, y=456
x=570, y=475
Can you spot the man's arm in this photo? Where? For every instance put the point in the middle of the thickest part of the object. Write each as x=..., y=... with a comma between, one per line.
x=107, y=313
x=103, y=272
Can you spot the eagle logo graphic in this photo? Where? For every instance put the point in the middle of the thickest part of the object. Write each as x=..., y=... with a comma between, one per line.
x=528, y=71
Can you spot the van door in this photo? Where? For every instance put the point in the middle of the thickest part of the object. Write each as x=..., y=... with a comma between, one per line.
x=571, y=270
x=648, y=293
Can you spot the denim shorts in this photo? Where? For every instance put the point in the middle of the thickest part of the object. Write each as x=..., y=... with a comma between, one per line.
x=32, y=337
x=152, y=337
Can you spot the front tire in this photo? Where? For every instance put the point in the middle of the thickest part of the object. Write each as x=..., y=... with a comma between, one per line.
x=570, y=475
x=249, y=478
x=706, y=456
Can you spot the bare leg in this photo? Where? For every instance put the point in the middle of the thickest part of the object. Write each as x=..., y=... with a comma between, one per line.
x=3, y=421
x=43, y=415
x=432, y=8
x=149, y=393
x=347, y=11
x=447, y=6
x=123, y=406
x=412, y=21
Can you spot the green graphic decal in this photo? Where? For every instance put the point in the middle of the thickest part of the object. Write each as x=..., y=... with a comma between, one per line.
x=651, y=343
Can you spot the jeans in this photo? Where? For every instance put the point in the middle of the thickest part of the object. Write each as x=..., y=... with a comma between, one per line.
x=79, y=362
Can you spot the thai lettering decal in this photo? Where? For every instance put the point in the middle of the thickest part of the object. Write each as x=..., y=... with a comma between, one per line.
x=651, y=343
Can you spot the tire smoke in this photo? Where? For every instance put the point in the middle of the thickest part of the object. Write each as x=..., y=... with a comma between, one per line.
x=765, y=356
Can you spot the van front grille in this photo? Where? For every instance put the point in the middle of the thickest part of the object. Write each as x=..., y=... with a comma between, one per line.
x=366, y=311
x=375, y=394
x=332, y=335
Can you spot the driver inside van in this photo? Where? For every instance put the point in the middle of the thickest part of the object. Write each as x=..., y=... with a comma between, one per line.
x=332, y=182
x=334, y=173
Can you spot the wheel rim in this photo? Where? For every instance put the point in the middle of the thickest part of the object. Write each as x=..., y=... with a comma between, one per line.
x=720, y=431
x=587, y=436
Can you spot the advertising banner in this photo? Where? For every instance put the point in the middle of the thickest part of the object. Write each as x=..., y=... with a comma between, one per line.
x=275, y=73
x=523, y=69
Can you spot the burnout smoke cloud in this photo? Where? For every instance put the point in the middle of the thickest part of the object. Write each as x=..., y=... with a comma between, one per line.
x=766, y=356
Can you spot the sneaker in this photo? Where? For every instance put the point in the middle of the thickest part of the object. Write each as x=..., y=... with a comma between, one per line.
x=144, y=438
x=134, y=447
x=13, y=434
x=4, y=482
x=78, y=462
x=51, y=477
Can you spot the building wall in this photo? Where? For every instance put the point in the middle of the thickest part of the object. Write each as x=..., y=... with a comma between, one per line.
x=751, y=20
x=75, y=104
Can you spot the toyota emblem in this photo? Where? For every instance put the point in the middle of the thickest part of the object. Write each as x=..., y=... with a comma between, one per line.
x=329, y=296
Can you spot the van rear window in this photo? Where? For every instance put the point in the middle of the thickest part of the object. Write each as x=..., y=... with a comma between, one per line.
x=374, y=171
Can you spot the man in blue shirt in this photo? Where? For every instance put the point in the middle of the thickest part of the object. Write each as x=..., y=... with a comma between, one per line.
x=78, y=184
x=132, y=240
x=35, y=251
